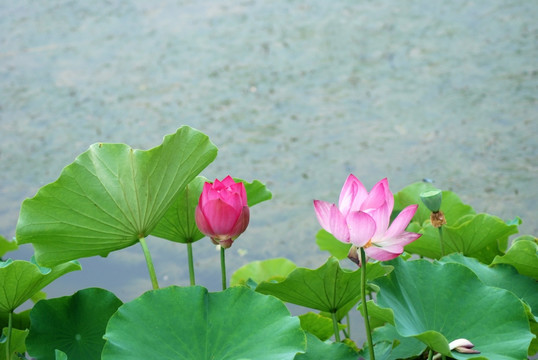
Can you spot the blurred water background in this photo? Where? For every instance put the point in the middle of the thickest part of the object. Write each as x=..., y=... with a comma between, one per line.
x=297, y=94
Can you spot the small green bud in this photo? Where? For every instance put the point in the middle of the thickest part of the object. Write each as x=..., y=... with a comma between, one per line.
x=432, y=199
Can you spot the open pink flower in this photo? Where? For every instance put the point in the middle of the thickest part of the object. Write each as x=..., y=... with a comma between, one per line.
x=362, y=219
x=222, y=212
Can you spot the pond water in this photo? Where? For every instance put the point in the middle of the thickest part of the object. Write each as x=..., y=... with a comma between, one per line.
x=297, y=94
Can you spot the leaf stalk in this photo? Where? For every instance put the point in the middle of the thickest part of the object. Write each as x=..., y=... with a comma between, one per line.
x=441, y=241
x=335, y=326
x=191, y=264
x=149, y=262
x=8, y=336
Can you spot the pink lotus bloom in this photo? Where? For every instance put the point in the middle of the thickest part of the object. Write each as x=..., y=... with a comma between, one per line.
x=222, y=212
x=362, y=219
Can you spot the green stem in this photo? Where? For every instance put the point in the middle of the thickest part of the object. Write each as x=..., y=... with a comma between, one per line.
x=223, y=267
x=8, y=337
x=191, y=264
x=348, y=322
x=364, y=306
x=430, y=355
x=149, y=262
x=441, y=241
x=335, y=326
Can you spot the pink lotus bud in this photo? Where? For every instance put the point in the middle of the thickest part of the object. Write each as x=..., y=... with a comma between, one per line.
x=222, y=212
x=463, y=346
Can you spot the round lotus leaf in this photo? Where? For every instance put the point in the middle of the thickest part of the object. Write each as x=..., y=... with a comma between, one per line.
x=73, y=324
x=328, y=288
x=439, y=303
x=110, y=196
x=191, y=323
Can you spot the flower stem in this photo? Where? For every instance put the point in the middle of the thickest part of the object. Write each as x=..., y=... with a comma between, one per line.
x=191, y=264
x=348, y=323
x=364, y=306
x=335, y=326
x=149, y=262
x=441, y=241
x=8, y=337
x=223, y=267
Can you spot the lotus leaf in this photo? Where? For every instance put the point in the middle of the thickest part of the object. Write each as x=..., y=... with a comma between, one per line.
x=20, y=280
x=73, y=324
x=191, y=323
x=110, y=197
x=427, y=299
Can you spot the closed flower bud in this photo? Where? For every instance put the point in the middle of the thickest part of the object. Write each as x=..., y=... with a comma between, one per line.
x=463, y=346
x=222, y=212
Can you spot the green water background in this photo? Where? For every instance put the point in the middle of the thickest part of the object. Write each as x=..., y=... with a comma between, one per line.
x=297, y=94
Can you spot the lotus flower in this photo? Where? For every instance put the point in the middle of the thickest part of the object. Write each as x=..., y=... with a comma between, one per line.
x=222, y=212
x=362, y=219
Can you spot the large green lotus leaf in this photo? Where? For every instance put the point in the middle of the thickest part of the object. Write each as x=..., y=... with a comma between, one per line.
x=451, y=206
x=438, y=303
x=110, y=197
x=16, y=343
x=523, y=255
x=502, y=276
x=327, y=242
x=6, y=246
x=480, y=236
x=20, y=280
x=319, y=350
x=190, y=323
x=506, y=277
x=178, y=223
x=327, y=288
x=264, y=270
x=73, y=324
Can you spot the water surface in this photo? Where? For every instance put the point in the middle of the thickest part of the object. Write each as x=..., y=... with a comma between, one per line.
x=297, y=94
